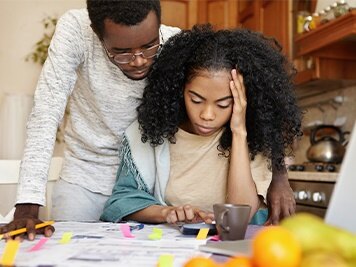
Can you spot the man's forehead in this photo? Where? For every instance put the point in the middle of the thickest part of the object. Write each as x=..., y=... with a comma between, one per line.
x=123, y=36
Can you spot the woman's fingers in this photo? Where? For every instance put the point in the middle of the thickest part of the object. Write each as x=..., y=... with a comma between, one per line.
x=189, y=213
x=239, y=85
x=206, y=216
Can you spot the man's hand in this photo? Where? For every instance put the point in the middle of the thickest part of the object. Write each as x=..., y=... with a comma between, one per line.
x=280, y=198
x=26, y=216
x=188, y=214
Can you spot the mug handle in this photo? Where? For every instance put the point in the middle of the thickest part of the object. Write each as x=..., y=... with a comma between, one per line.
x=222, y=215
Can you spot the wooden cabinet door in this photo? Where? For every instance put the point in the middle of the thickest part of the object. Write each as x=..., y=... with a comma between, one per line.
x=271, y=17
x=180, y=13
x=274, y=21
x=185, y=13
x=248, y=14
x=220, y=13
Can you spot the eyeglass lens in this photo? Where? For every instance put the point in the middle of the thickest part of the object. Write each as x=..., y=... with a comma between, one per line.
x=128, y=57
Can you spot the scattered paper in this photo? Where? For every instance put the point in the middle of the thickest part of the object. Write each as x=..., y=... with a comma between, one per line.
x=102, y=244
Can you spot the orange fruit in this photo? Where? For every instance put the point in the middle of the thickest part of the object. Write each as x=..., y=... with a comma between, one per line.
x=275, y=246
x=238, y=261
x=200, y=262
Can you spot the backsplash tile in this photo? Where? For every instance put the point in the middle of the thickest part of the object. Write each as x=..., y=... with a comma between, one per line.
x=327, y=114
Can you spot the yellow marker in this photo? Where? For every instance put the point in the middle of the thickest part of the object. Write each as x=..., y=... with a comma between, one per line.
x=66, y=237
x=203, y=233
x=24, y=230
x=11, y=248
x=165, y=260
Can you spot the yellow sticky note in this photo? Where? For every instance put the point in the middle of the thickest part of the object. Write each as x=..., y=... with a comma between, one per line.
x=158, y=231
x=154, y=236
x=10, y=251
x=165, y=260
x=66, y=237
x=203, y=233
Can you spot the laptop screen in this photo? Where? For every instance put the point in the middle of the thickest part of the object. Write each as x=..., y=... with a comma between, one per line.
x=342, y=206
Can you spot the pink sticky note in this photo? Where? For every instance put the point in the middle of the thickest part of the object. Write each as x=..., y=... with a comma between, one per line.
x=125, y=230
x=39, y=244
x=214, y=238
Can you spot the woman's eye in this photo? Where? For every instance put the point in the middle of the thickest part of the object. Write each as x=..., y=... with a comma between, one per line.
x=224, y=106
x=196, y=101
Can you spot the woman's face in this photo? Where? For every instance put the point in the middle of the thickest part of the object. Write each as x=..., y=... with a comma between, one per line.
x=208, y=101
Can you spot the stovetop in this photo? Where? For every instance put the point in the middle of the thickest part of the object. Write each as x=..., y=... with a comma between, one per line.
x=314, y=167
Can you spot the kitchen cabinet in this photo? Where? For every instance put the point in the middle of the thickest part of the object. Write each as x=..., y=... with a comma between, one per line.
x=267, y=16
x=179, y=13
x=328, y=49
x=271, y=17
x=185, y=13
x=331, y=48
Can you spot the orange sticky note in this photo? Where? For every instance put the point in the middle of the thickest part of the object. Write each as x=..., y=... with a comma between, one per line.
x=203, y=233
x=165, y=260
x=10, y=251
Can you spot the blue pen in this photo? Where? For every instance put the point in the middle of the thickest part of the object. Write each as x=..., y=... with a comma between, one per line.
x=137, y=227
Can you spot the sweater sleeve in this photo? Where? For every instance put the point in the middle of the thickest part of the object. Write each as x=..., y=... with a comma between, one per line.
x=126, y=198
x=56, y=82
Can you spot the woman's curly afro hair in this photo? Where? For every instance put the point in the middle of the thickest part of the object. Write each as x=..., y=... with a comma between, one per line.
x=273, y=119
x=125, y=12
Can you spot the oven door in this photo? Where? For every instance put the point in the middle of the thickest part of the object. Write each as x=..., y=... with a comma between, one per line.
x=312, y=196
x=314, y=210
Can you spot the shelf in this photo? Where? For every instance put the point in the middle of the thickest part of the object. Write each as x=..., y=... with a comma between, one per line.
x=332, y=47
x=342, y=29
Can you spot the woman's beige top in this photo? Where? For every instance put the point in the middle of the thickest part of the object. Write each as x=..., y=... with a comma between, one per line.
x=198, y=174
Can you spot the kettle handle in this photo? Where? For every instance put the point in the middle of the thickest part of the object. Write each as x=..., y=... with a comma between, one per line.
x=345, y=142
x=319, y=127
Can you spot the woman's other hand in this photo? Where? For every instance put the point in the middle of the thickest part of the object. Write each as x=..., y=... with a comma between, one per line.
x=188, y=214
x=238, y=117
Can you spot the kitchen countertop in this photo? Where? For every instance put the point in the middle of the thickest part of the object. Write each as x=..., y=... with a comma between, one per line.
x=313, y=176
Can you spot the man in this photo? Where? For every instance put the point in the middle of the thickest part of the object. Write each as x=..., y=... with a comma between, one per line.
x=99, y=64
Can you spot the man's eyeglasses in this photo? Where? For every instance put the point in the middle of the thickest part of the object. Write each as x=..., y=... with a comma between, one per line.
x=125, y=58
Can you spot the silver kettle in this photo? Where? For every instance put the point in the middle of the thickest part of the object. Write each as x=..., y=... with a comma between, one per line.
x=327, y=148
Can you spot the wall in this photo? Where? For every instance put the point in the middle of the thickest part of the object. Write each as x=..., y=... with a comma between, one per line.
x=327, y=115
x=20, y=29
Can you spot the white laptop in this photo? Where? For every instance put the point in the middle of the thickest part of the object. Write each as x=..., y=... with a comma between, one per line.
x=340, y=212
x=342, y=206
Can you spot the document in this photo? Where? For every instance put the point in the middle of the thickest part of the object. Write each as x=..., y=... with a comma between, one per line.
x=103, y=244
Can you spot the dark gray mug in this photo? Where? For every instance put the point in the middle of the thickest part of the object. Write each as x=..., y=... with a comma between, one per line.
x=231, y=220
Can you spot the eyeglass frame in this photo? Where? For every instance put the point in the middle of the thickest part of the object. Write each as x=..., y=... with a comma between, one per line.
x=134, y=55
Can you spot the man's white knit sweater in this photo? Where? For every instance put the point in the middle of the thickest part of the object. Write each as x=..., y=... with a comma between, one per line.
x=102, y=102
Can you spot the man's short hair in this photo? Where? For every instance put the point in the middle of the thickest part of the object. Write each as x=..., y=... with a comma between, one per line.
x=125, y=12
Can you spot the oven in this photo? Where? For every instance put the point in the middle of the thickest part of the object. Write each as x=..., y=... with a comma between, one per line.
x=312, y=185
